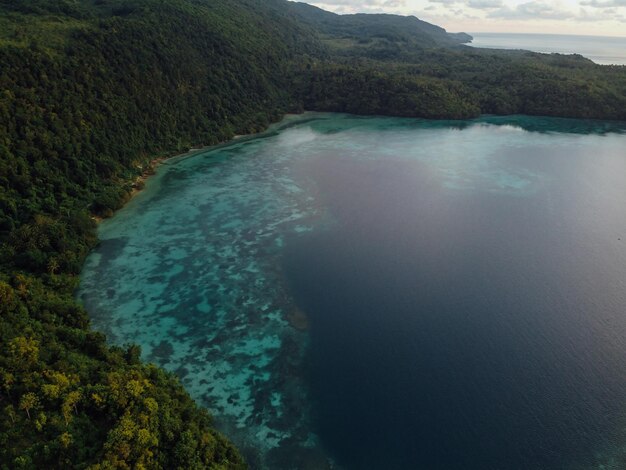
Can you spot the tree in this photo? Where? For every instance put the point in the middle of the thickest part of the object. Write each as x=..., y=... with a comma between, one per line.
x=28, y=402
x=53, y=266
x=69, y=404
x=24, y=352
x=7, y=379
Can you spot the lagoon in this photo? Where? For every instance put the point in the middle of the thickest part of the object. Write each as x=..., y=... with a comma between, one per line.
x=367, y=292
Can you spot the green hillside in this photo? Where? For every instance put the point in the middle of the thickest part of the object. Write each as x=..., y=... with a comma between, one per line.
x=457, y=84
x=385, y=36
x=92, y=90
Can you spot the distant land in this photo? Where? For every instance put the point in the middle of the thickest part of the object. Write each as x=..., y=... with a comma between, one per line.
x=93, y=91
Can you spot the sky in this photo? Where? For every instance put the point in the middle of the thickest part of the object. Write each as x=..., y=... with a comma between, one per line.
x=584, y=17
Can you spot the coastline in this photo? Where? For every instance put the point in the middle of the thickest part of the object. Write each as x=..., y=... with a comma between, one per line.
x=147, y=170
x=150, y=168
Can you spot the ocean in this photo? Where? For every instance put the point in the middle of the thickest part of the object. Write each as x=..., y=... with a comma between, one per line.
x=603, y=50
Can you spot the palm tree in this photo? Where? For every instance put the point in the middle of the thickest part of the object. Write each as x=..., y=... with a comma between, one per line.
x=28, y=402
x=53, y=266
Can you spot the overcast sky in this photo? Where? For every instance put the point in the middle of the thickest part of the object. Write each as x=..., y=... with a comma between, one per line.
x=593, y=17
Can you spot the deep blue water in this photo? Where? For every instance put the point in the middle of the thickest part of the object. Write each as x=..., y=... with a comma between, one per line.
x=369, y=293
x=605, y=50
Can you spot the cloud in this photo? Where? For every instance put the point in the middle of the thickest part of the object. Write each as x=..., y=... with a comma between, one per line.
x=534, y=10
x=604, y=4
x=352, y=6
x=485, y=4
x=604, y=14
x=366, y=3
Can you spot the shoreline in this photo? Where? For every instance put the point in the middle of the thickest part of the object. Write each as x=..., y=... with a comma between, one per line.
x=150, y=168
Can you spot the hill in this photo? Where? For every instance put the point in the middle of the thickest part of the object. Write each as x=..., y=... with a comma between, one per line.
x=374, y=35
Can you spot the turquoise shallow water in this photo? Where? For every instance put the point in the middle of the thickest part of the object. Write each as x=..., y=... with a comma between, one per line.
x=346, y=292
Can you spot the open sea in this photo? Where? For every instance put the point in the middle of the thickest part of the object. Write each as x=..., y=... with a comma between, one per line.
x=369, y=293
x=603, y=50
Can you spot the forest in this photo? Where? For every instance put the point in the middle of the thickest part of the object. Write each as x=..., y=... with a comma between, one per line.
x=91, y=91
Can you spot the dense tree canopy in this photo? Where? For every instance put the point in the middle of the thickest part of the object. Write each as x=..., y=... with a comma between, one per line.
x=92, y=90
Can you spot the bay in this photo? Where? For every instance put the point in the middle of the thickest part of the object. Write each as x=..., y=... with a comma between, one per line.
x=366, y=292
